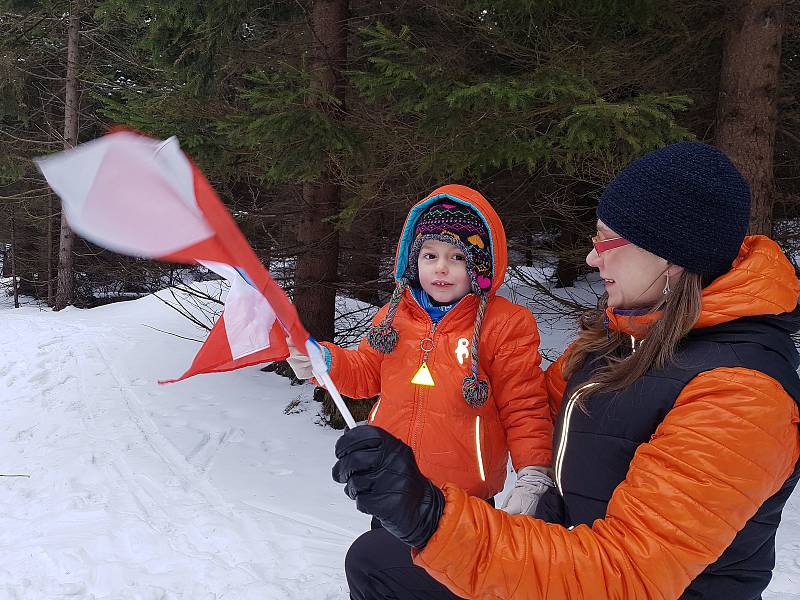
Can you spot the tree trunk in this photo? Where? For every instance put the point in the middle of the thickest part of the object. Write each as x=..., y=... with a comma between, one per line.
x=49, y=255
x=748, y=92
x=315, y=274
x=65, y=292
x=6, y=271
x=14, y=261
x=568, y=263
x=316, y=269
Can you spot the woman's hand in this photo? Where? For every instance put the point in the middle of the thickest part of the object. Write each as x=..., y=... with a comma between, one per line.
x=382, y=476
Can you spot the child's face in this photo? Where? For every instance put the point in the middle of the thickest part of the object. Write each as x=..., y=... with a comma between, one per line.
x=443, y=271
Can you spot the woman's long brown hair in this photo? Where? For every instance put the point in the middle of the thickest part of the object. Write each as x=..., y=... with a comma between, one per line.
x=680, y=310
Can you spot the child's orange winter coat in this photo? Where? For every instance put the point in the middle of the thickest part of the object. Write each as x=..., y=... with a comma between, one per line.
x=453, y=441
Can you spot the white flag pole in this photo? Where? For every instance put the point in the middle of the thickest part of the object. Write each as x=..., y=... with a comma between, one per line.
x=321, y=373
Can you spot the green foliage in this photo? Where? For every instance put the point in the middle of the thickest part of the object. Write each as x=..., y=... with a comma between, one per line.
x=290, y=127
x=198, y=39
x=473, y=124
x=622, y=131
x=527, y=14
x=167, y=113
x=505, y=88
x=12, y=102
x=230, y=116
x=185, y=35
x=12, y=169
x=537, y=93
x=536, y=102
x=402, y=75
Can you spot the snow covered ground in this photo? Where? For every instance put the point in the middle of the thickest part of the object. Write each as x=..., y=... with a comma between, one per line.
x=114, y=487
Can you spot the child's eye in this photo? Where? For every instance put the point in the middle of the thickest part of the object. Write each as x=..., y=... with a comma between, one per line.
x=428, y=256
x=458, y=257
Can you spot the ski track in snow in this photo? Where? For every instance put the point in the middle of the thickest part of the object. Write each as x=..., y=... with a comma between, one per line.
x=202, y=490
x=112, y=509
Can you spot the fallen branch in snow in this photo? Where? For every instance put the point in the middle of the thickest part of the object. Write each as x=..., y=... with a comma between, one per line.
x=183, y=337
x=28, y=476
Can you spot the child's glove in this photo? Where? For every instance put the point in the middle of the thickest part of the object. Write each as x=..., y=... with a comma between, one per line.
x=532, y=483
x=299, y=362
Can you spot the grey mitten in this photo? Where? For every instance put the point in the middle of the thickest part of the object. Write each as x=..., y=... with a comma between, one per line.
x=532, y=483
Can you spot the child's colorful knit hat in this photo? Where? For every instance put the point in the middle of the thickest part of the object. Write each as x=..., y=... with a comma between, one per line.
x=459, y=225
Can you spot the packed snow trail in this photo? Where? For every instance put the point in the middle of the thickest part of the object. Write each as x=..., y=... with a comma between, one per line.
x=202, y=490
x=114, y=509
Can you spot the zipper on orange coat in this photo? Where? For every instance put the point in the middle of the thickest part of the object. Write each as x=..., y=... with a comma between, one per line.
x=421, y=389
x=418, y=393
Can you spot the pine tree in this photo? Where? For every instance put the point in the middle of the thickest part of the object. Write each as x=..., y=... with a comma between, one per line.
x=748, y=98
x=31, y=124
x=537, y=103
x=65, y=292
x=33, y=62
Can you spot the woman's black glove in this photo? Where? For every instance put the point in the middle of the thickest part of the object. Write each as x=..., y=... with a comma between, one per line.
x=384, y=480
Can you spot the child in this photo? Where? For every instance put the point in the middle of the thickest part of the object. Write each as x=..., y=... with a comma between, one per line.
x=460, y=411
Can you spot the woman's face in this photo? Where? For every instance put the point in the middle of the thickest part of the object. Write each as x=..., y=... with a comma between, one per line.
x=634, y=277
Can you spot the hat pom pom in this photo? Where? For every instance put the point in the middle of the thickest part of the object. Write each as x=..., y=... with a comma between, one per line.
x=476, y=391
x=484, y=283
x=382, y=338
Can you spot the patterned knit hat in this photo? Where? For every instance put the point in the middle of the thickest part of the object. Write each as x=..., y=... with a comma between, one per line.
x=459, y=225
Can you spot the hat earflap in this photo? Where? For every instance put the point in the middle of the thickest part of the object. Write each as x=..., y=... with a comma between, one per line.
x=383, y=337
x=475, y=390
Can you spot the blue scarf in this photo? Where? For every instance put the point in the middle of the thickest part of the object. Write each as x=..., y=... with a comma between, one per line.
x=436, y=312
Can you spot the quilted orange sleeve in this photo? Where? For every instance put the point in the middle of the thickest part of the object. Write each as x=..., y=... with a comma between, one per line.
x=687, y=493
x=357, y=372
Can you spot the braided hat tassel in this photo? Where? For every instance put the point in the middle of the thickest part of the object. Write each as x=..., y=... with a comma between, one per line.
x=383, y=337
x=476, y=391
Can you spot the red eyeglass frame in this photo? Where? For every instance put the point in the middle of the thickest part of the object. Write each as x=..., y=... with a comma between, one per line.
x=601, y=246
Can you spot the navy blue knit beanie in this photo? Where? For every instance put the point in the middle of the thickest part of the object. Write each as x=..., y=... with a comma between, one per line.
x=686, y=203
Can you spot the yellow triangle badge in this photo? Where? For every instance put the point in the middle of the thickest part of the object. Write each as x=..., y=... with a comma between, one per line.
x=423, y=376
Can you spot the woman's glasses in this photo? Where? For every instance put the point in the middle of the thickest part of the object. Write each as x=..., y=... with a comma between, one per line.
x=601, y=246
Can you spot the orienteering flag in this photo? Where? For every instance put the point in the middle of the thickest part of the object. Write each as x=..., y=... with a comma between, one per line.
x=245, y=333
x=143, y=197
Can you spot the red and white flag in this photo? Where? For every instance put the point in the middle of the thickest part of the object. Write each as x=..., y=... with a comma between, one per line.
x=143, y=197
x=246, y=333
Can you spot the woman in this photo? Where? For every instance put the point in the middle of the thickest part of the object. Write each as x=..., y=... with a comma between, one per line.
x=677, y=440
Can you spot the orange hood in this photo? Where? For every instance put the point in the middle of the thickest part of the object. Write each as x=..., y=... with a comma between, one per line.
x=469, y=197
x=761, y=281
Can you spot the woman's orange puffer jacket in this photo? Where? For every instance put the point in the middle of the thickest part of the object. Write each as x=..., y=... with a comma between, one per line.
x=728, y=444
x=453, y=441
